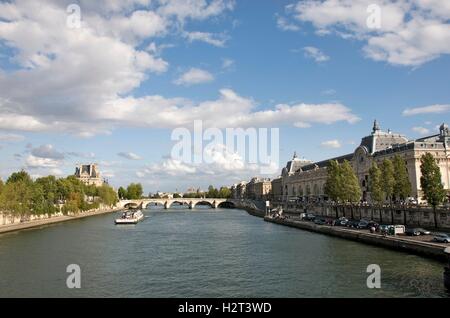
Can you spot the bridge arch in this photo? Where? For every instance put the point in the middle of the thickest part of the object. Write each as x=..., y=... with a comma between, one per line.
x=150, y=204
x=131, y=205
x=182, y=203
x=203, y=203
x=226, y=204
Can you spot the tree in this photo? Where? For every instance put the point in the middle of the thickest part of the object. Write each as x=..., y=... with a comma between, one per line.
x=134, y=191
x=402, y=185
x=333, y=182
x=351, y=191
x=20, y=176
x=122, y=193
x=375, y=185
x=107, y=195
x=224, y=193
x=176, y=196
x=212, y=192
x=387, y=178
x=430, y=182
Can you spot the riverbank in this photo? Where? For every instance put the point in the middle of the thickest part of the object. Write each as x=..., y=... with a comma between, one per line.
x=404, y=244
x=57, y=219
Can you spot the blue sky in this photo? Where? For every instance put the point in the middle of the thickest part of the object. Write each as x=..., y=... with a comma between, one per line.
x=113, y=90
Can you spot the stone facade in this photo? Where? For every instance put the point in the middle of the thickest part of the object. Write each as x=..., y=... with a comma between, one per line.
x=305, y=181
x=89, y=174
x=256, y=189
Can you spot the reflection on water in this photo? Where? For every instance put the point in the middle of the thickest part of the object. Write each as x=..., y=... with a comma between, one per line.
x=203, y=253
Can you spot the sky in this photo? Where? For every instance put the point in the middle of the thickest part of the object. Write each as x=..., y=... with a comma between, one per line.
x=111, y=81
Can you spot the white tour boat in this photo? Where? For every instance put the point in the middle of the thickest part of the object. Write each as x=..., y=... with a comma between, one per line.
x=130, y=217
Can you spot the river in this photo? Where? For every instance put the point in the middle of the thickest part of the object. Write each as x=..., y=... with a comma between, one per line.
x=203, y=253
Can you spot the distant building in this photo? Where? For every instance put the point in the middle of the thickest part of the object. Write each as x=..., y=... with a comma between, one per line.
x=258, y=189
x=89, y=174
x=238, y=190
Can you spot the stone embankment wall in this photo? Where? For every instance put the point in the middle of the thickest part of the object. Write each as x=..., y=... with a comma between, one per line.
x=409, y=216
x=9, y=219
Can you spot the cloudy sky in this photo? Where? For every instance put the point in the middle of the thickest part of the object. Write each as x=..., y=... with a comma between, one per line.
x=112, y=88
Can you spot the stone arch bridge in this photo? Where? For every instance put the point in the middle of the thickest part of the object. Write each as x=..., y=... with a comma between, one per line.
x=167, y=203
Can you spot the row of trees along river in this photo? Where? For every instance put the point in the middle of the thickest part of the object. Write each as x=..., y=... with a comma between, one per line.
x=388, y=182
x=20, y=195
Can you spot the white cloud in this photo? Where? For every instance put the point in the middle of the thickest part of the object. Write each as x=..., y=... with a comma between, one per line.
x=129, y=155
x=47, y=152
x=11, y=138
x=335, y=144
x=285, y=25
x=227, y=63
x=33, y=162
x=431, y=109
x=194, y=76
x=86, y=155
x=421, y=130
x=69, y=73
x=81, y=81
x=194, y=9
x=412, y=32
x=218, y=40
x=56, y=172
x=229, y=110
x=315, y=54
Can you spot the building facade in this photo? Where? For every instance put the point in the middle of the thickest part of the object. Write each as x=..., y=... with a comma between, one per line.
x=89, y=174
x=302, y=180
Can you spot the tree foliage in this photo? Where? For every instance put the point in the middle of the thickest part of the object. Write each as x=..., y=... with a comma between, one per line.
x=21, y=196
x=402, y=185
x=375, y=184
x=387, y=178
x=333, y=183
x=350, y=189
x=430, y=181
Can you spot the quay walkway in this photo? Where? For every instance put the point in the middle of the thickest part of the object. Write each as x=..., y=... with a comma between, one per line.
x=401, y=243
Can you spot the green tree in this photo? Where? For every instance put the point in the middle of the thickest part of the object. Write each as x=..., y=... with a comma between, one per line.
x=176, y=196
x=224, y=193
x=430, y=182
x=107, y=195
x=333, y=183
x=20, y=176
x=402, y=185
x=387, y=178
x=134, y=191
x=351, y=191
x=375, y=185
x=122, y=193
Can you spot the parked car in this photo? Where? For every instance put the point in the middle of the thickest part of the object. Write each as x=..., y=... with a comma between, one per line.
x=442, y=238
x=352, y=223
x=362, y=224
x=412, y=232
x=423, y=231
x=341, y=221
x=309, y=217
x=320, y=221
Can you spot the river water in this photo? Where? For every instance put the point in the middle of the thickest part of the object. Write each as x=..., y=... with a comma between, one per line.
x=203, y=253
